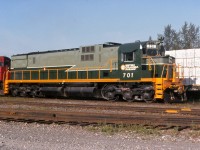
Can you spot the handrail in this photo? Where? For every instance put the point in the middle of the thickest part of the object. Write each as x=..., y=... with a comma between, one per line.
x=163, y=70
x=149, y=60
x=174, y=71
x=109, y=62
x=67, y=70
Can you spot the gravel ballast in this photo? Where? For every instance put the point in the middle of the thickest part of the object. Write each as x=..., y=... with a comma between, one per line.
x=32, y=136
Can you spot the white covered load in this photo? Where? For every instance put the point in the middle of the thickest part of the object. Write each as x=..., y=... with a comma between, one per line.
x=189, y=61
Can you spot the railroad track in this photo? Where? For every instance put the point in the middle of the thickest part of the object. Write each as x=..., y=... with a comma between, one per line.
x=115, y=114
x=80, y=117
x=110, y=107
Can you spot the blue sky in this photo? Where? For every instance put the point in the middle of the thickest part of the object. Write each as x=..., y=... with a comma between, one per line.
x=37, y=25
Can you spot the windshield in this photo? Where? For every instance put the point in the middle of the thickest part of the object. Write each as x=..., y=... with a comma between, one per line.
x=152, y=52
x=151, y=48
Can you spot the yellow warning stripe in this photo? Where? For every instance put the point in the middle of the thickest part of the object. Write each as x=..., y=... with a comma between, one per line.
x=175, y=111
x=186, y=109
x=63, y=80
x=172, y=111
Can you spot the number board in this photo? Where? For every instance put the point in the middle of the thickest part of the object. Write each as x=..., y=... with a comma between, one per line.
x=129, y=71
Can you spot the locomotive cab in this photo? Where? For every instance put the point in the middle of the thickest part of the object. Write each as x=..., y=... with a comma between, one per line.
x=149, y=74
x=137, y=58
x=130, y=61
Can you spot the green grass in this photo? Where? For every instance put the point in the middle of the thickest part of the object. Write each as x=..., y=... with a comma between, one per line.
x=111, y=129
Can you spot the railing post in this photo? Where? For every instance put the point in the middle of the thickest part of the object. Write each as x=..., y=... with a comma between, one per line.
x=14, y=74
x=57, y=73
x=163, y=70
x=111, y=65
x=77, y=73
x=22, y=74
x=99, y=72
x=39, y=74
x=48, y=74
x=87, y=72
x=167, y=73
x=30, y=74
x=67, y=73
x=174, y=73
x=178, y=71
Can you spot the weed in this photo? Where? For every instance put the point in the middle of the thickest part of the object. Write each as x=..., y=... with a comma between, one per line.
x=114, y=128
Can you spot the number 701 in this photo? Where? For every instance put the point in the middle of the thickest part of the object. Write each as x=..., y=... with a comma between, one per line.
x=127, y=75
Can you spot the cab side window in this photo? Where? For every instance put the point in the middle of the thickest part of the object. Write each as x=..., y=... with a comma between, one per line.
x=128, y=57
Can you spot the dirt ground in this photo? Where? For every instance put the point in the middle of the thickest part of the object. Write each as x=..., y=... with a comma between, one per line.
x=32, y=136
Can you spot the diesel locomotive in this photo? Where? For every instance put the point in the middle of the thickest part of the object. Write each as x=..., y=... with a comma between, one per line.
x=138, y=71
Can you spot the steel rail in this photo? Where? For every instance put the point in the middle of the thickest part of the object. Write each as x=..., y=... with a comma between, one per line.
x=66, y=117
x=110, y=107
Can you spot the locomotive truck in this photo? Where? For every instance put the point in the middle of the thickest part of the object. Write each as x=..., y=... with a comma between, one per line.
x=138, y=71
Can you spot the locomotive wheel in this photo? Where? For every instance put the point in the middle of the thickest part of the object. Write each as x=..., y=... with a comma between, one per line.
x=129, y=100
x=23, y=94
x=168, y=96
x=34, y=91
x=112, y=98
x=171, y=97
x=149, y=100
x=14, y=92
x=128, y=96
x=108, y=93
x=33, y=94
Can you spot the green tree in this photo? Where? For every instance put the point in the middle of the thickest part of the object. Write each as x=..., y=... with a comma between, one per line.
x=176, y=42
x=194, y=35
x=150, y=38
x=186, y=38
x=168, y=37
x=189, y=36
